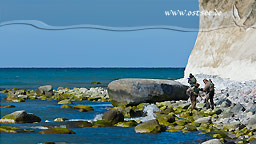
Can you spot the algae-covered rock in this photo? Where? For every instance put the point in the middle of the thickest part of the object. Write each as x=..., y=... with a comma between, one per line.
x=218, y=134
x=189, y=128
x=20, y=117
x=151, y=126
x=164, y=119
x=78, y=124
x=181, y=122
x=15, y=100
x=113, y=116
x=102, y=123
x=94, y=83
x=9, y=129
x=8, y=106
x=83, y=108
x=130, y=123
x=66, y=106
x=66, y=101
x=57, y=131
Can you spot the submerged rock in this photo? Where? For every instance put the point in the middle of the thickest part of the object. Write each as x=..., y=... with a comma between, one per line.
x=66, y=106
x=8, y=106
x=57, y=131
x=113, y=116
x=151, y=126
x=102, y=123
x=136, y=91
x=20, y=117
x=78, y=124
x=45, y=90
x=83, y=108
x=9, y=129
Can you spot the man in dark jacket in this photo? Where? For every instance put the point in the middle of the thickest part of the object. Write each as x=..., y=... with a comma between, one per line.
x=194, y=95
x=192, y=80
x=209, y=89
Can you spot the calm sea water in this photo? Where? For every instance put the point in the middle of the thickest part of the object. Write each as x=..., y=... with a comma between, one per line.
x=49, y=109
x=79, y=77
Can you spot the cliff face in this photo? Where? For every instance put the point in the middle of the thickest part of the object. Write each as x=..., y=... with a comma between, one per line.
x=226, y=44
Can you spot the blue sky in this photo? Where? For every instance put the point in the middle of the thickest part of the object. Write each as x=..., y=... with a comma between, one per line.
x=25, y=46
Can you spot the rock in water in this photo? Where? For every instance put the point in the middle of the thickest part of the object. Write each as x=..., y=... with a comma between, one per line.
x=113, y=116
x=20, y=117
x=151, y=126
x=136, y=91
x=57, y=131
x=66, y=101
x=45, y=90
x=212, y=141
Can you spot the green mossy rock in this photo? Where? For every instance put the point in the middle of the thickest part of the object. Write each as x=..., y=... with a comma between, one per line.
x=9, y=129
x=32, y=97
x=142, y=105
x=66, y=101
x=218, y=134
x=181, y=122
x=151, y=126
x=94, y=98
x=251, y=138
x=20, y=117
x=66, y=106
x=175, y=129
x=15, y=100
x=5, y=91
x=57, y=131
x=103, y=123
x=83, y=108
x=130, y=123
x=95, y=83
x=189, y=128
x=164, y=119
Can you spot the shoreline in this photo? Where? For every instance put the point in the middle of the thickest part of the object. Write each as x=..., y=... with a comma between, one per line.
x=231, y=116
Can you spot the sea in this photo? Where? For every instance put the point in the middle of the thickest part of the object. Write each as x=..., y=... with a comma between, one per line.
x=31, y=78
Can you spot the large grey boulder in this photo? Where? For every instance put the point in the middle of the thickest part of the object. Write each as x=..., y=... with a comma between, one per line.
x=45, y=90
x=20, y=117
x=136, y=91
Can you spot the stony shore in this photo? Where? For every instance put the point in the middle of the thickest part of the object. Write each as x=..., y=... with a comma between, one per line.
x=232, y=120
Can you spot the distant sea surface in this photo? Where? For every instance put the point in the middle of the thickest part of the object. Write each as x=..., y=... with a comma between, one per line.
x=31, y=78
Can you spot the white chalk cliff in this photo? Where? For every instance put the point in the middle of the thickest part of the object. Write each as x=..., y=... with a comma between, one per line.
x=226, y=44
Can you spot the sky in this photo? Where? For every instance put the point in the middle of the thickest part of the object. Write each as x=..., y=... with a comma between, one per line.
x=26, y=46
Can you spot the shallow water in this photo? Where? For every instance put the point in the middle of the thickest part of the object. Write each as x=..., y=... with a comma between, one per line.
x=49, y=110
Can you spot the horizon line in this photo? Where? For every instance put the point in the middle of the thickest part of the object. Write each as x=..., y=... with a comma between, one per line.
x=82, y=67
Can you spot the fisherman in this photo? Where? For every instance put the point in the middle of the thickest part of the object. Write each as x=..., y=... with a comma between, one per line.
x=192, y=80
x=194, y=95
x=209, y=89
